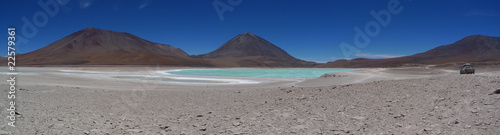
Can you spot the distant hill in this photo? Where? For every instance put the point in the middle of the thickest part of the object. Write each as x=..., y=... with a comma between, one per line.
x=93, y=46
x=249, y=50
x=476, y=48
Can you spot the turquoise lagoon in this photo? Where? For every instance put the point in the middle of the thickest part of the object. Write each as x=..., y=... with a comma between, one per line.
x=260, y=72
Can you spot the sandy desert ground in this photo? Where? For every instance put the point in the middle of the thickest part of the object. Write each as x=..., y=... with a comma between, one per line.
x=418, y=100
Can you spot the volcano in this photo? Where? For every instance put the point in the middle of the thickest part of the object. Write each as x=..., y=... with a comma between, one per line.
x=94, y=46
x=250, y=50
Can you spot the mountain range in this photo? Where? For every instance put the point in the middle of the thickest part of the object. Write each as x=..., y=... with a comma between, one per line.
x=475, y=48
x=94, y=46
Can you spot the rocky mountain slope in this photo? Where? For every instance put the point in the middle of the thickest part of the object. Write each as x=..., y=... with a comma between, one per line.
x=476, y=48
x=93, y=46
x=250, y=50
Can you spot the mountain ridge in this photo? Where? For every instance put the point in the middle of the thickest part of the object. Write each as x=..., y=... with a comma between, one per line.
x=92, y=46
x=474, y=48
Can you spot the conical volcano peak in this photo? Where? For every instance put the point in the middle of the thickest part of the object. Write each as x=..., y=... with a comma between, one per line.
x=248, y=49
x=248, y=45
x=92, y=29
x=247, y=34
x=96, y=46
x=475, y=37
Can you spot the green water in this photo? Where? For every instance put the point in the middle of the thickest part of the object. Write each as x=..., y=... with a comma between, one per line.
x=261, y=73
x=153, y=79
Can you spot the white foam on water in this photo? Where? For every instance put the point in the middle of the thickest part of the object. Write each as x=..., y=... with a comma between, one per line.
x=197, y=78
x=80, y=71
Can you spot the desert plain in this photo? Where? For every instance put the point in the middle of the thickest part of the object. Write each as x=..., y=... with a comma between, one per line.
x=406, y=100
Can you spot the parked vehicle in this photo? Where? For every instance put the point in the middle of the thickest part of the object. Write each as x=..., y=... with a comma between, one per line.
x=467, y=69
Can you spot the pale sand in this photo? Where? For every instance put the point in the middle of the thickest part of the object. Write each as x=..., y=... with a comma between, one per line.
x=373, y=101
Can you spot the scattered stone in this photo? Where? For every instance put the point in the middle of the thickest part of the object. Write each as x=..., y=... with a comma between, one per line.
x=399, y=116
x=359, y=118
x=134, y=130
x=236, y=123
x=495, y=92
x=302, y=97
x=467, y=126
x=474, y=111
x=164, y=127
x=337, y=132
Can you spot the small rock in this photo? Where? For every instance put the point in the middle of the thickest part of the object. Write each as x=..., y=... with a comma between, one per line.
x=467, y=126
x=337, y=132
x=134, y=130
x=474, y=111
x=164, y=127
x=236, y=124
x=359, y=118
x=495, y=92
x=398, y=125
x=302, y=97
x=399, y=116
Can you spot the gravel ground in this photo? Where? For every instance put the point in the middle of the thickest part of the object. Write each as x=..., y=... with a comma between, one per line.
x=445, y=104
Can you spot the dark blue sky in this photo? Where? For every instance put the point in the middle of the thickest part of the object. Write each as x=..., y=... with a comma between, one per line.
x=307, y=29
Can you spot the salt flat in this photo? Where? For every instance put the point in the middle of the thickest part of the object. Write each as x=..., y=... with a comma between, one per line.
x=419, y=100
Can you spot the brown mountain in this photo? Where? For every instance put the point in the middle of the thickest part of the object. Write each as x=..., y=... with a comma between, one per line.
x=476, y=48
x=93, y=46
x=249, y=50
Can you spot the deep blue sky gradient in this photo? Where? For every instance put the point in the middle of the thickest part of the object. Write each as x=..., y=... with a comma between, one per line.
x=310, y=30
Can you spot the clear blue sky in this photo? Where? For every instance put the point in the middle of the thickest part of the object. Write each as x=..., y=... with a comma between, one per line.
x=307, y=29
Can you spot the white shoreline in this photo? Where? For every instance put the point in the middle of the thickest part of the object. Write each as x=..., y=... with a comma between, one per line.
x=184, y=79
